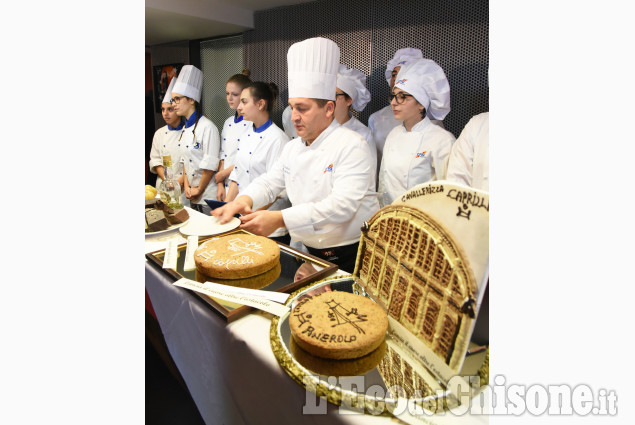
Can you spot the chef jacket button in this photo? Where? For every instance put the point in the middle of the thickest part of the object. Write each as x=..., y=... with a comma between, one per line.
x=249, y=153
x=247, y=170
x=236, y=168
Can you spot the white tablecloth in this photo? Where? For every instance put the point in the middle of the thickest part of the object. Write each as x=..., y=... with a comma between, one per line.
x=230, y=369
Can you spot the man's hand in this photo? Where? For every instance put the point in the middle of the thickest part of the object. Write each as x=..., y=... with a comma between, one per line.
x=262, y=222
x=241, y=205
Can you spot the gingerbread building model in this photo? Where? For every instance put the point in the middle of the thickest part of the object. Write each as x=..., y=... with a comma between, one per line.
x=412, y=266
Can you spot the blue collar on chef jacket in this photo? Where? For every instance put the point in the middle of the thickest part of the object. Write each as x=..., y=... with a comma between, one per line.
x=237, y=118
x=180, y=126
x=263, y=127
x=191, y=120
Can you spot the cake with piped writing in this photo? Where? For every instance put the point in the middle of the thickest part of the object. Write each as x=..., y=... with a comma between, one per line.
x=236, y=256
x=338, y=325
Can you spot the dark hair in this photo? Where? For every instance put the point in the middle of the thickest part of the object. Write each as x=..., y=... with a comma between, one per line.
x=264, y=91
x=322, y=102
x=198, y=111
x=242, y=80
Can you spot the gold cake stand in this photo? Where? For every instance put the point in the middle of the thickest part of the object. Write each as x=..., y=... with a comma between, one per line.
x=371, y=391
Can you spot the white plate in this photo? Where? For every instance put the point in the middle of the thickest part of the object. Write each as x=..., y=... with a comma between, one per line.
x=169, y=229
x=207, y=226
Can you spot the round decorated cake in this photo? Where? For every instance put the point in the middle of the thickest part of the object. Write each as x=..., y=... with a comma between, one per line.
x=340, y=367
x=338, y=325
x=258, y=281
x=236, y=256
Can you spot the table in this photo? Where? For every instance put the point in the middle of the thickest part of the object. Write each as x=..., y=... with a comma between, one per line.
x=230, y=370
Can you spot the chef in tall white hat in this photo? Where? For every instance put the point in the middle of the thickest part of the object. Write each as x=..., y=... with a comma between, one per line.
x=326, y=170
x=165, y=139
x=351, y=92
x=416, y=151
x=199, y=142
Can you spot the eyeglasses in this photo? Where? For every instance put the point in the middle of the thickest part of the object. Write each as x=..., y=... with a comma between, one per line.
x=401, y=97
x=340, y=94
x=177, y=99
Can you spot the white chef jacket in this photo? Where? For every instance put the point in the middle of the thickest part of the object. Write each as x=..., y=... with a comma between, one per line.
x=164, y=142
x=200, y=150
x=329, y=184
x=356, y=125
x=413, y=157
x=257, y=152
x=233, y=129
x=288, y=124
x=469, y=160
x=382, y=122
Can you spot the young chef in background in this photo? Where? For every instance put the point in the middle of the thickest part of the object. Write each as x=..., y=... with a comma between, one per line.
x=199, y=141
x=259, y=148
x=469, y=160
x=382, y=121
x=350, y=92
x=326, y=171
x=233, y=128
x=416, y=151
x=165, y=139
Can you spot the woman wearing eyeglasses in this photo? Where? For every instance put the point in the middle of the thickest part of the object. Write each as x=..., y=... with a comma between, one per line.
x=233, y=128
x=416, y=151
x=259, y=149
x=165, y=139
x=199, y=141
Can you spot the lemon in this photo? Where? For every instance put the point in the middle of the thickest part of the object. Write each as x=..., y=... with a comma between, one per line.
x=151, y=189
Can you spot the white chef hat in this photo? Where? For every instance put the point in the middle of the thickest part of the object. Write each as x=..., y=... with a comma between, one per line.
x=313, y=67
x=168, y=94
x=189, y=83
x=426, y=81
x=353, y=83
x=402, y=56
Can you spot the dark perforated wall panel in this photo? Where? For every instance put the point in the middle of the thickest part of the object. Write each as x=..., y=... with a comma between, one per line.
x=369, y=32
x=220, y=59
